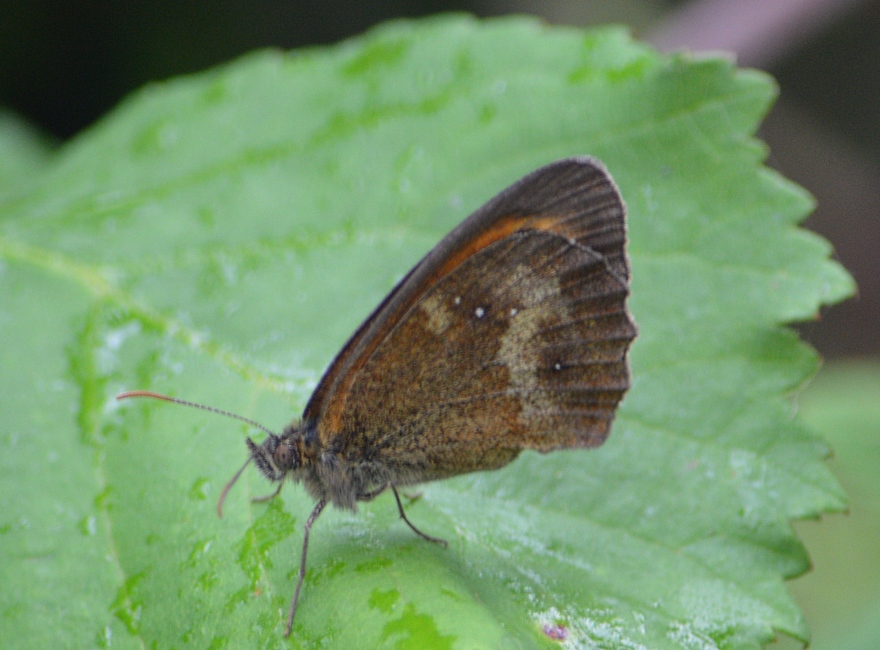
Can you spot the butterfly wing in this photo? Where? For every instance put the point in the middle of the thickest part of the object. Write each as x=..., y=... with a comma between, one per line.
x=512, y=333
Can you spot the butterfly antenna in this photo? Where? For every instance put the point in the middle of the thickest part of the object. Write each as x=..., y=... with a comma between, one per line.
x=234, y=416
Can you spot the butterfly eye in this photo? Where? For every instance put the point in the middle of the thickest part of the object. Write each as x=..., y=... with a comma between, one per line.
x=283, y=457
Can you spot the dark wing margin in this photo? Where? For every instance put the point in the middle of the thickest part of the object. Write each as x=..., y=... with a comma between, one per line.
x=574, y=198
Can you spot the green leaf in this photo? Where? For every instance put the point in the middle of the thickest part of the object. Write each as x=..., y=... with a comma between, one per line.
x=23, y=153
x=218, y=237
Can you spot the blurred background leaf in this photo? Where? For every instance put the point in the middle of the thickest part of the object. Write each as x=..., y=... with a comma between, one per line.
x=841, y=595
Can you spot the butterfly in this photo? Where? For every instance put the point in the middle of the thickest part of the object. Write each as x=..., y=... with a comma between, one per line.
x=512, y=333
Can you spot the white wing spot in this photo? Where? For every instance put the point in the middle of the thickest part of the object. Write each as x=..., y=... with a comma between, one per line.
x=514, y=311
x=457, y=300
x=558, y=366
x=479, y=312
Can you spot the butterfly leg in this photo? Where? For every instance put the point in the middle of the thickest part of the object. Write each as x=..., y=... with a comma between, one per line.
x=369, y=496
x=436, y=540
x=302, y=563
x=268, y=497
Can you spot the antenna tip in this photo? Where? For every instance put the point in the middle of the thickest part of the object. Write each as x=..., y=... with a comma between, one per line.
x=143, y=393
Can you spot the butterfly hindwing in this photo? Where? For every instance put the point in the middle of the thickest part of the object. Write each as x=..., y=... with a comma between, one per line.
x=512, y=333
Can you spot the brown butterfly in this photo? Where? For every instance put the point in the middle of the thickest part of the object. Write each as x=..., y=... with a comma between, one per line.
x=511, y=334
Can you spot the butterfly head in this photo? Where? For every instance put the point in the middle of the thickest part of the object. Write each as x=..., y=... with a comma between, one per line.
x=276, y=456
